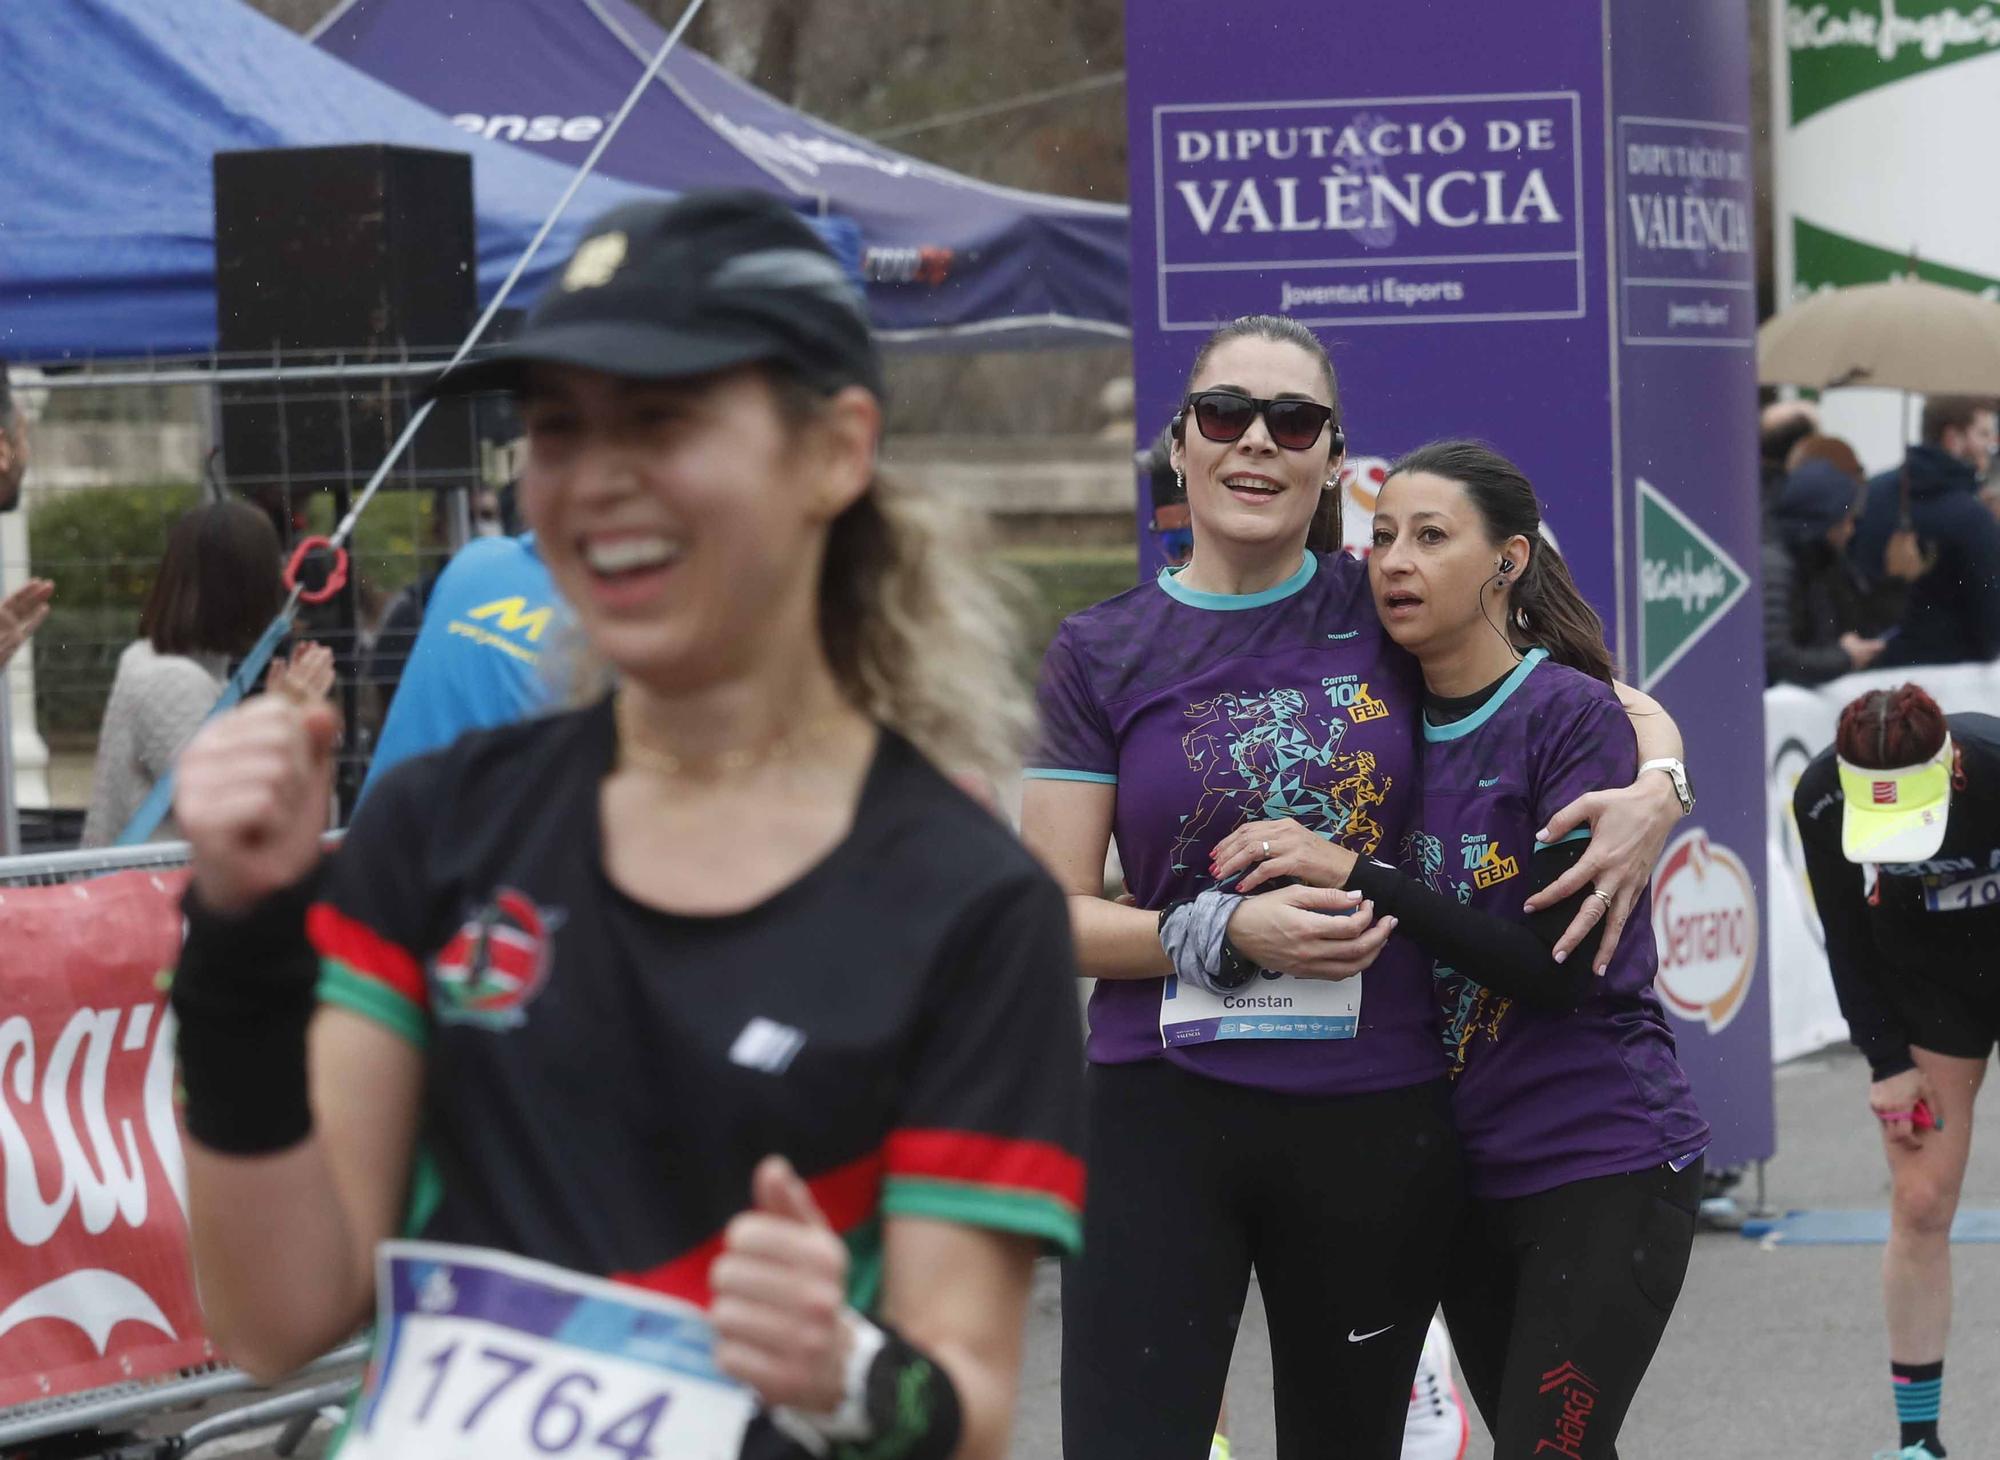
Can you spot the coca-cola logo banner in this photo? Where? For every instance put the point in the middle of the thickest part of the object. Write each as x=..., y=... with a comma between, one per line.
x=95, y=1286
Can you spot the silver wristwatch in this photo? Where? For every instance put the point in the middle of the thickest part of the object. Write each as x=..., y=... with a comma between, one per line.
x=1678, y=774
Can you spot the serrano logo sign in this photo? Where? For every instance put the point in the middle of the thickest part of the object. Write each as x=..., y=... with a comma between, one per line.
x=1705, y=921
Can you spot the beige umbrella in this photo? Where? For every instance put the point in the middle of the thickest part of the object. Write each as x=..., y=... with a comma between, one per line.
x=1903, y=335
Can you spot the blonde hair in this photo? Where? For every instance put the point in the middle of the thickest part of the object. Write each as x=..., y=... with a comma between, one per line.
x=923, y=632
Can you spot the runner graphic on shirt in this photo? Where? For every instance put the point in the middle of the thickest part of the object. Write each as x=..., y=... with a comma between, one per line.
x=1470, y=1008
x=1268, y=756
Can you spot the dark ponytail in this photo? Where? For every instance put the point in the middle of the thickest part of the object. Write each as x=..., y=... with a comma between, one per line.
x=1544, y=608
x=1324, y=535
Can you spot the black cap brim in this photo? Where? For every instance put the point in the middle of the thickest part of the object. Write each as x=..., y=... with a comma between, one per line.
x=633, y=349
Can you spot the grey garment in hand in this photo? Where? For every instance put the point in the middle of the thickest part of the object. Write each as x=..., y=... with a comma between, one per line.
x=1192, y=935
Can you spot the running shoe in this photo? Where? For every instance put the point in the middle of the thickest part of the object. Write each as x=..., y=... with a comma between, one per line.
x=1918, y=1451
x=1438, y=1427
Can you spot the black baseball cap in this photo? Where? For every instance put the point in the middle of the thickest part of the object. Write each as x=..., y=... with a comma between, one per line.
x=708, y=282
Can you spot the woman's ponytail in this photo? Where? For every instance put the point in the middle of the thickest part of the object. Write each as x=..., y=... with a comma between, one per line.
x=1548, y=610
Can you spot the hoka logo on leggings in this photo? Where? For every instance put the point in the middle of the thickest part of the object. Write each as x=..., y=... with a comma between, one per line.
x=1570, y=1386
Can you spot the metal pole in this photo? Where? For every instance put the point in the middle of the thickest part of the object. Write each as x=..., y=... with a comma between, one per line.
x=10, y=814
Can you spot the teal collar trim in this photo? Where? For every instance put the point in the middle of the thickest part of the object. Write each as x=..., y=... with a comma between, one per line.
x=1171, y=585
x=1458, y=729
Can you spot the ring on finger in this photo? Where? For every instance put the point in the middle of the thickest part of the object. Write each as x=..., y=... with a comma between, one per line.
x=1602, y=896
x=1267, y=849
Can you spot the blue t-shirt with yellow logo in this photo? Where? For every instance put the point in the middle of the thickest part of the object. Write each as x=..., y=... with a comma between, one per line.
x=478, y=660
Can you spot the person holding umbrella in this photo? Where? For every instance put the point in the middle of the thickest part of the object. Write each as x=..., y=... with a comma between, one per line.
x=1924, y=524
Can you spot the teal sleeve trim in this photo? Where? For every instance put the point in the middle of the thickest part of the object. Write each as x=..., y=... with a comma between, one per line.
x=1459, y=729
x=1046, y=773
x=1581, y=834
x=1171, y=585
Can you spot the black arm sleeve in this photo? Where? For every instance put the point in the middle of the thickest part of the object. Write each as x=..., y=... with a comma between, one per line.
x=1842, y=900
x=1507, y=955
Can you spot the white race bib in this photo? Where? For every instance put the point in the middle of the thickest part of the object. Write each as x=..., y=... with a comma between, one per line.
x=486, y=1356
x=1268, y=1007
x=1964, y=894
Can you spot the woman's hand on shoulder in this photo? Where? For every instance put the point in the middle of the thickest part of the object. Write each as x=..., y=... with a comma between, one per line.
x=1309, y=932
x=1628, y=829
x=1265, y=850
x=251, y=793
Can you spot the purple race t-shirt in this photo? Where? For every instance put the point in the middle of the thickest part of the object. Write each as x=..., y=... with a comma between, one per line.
x=1545, y=1097
x=1210, y=710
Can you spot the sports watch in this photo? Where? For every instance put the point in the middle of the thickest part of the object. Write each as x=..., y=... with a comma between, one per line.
x=1678, y=774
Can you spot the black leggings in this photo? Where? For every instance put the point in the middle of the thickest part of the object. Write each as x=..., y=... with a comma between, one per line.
x=1343, y=1205
x=1558, y=1300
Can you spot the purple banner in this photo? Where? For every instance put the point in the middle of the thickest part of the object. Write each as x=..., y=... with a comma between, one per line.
x=1370, y=211
x=1686, y=273
x=1686, y=386
x=1514, y=265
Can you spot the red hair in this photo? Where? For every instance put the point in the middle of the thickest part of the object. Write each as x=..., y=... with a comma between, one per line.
x=1887, y=729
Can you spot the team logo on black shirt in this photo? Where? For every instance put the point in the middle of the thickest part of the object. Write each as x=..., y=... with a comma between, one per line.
x=496, y=964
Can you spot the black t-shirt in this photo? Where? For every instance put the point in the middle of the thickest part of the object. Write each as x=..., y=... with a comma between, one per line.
x=1878, y=925
x=901, y=1021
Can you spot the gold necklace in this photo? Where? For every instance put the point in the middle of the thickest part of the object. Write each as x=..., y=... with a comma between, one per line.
x=633, y=747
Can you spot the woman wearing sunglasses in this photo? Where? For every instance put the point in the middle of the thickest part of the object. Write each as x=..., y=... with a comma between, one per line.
x=1582, y=1143
x=1295, y=1121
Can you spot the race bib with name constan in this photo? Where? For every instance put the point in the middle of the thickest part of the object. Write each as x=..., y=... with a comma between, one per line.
x=486, y=1356
x=1270, y=1006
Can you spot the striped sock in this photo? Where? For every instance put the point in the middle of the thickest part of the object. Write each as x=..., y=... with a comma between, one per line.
x=1919, y=1395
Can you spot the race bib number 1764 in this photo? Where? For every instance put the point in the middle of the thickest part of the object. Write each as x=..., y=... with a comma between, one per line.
x=483, y=1354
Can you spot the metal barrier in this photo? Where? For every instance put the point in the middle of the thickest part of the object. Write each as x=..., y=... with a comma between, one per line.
x=119, y=1406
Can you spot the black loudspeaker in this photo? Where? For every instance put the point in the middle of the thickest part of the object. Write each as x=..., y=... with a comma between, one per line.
x=341, y=255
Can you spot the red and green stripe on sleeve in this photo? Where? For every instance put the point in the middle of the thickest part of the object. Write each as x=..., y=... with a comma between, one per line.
x=371, y=975
x=1027, y=1187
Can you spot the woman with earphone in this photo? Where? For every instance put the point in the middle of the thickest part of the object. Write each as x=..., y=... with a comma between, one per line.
x=1581, y=1141
x=1251, y=1105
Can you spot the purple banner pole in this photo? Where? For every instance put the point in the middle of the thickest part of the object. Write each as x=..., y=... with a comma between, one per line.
x=1537, y=234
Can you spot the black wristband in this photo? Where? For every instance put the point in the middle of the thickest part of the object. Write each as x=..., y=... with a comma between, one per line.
x=244, y=993
x=1236, y=969
x=912, y=1406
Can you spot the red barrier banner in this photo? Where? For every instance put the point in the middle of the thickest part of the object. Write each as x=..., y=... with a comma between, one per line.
x=95, y=1282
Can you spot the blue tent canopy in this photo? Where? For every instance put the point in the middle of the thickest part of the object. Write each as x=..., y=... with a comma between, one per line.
x=951, y=261
x=113, y=111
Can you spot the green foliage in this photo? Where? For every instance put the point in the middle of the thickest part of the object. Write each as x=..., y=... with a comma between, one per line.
x=101, y=547
x=1062, y=580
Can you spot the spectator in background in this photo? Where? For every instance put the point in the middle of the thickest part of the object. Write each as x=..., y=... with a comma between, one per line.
x=22, y=611
x=479, y=658
x=1924, y=523
x=395, y=637
x=1815, y=605
x=1990, y=495
x=1781, y=426
x=218, y=587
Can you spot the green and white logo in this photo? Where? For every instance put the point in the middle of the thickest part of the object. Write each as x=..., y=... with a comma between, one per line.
x=1686, y=584
x=1822, y=258
x=1843, y=49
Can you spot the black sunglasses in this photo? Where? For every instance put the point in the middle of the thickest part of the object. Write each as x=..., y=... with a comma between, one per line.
x=1224, y=415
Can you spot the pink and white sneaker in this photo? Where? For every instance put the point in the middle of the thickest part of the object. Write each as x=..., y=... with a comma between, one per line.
x=1439, y=1428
